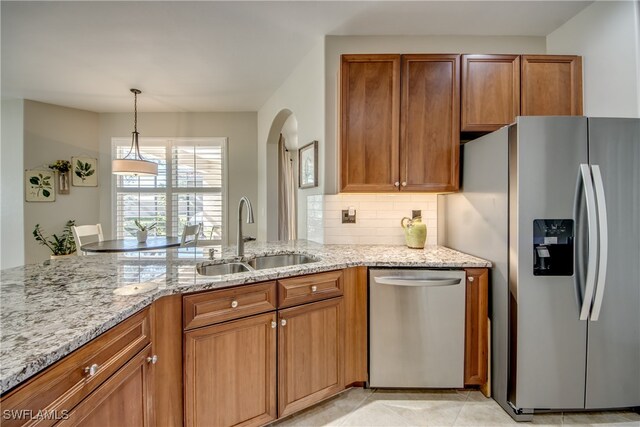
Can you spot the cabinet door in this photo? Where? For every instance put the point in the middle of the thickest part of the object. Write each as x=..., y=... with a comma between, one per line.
x=551, y=85
x=310, y=354
x=490, y=91
x=123, y=400
x=230, y=373
x=369, y=128
x=355, y=329
x=430, y=123
x=476, y=360
x=65, y=384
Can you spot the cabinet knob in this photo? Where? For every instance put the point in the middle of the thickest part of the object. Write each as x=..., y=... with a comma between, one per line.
x=91, y=370
x=274, y=324
x=234, y=304
x=153, y=359
x=470, y=278
x=397, y=184
x=314, y=288
x=283, y=322
x=404, y=183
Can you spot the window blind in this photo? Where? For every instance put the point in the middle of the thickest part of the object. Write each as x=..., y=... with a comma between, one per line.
x=189, y=188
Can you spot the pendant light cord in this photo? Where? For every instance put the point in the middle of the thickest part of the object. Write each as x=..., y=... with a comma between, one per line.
x=134, y=135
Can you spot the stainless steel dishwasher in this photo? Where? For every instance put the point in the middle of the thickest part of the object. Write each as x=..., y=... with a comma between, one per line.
x=416, y=328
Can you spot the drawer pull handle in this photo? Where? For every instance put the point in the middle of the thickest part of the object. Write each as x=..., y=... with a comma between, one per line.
x=274, y=324
x=314, y=288
x=470, y=279
x=234, y=304
x=283, y=322
x=91, y=370
x=153, y=359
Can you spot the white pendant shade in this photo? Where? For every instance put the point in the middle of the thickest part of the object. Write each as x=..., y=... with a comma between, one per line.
x=133, y=167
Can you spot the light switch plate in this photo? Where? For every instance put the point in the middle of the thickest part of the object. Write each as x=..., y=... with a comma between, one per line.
x=415, y=213
x=348, y=219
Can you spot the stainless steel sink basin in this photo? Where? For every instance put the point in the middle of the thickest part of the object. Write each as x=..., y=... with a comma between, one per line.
x=220, y=269
x=273, y=261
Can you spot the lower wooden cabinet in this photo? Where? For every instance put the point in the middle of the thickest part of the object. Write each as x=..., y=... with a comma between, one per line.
x=64, y=385
x=230, y=373
x=310, y=354
x=125, y=399
x=476, y=346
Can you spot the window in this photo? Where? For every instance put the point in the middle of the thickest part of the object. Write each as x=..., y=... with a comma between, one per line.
x=189, y=188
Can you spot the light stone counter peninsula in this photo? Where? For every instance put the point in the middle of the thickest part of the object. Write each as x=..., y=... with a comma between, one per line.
x=48, y=310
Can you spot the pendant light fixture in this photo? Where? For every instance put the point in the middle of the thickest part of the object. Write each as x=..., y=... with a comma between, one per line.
x=135, y=165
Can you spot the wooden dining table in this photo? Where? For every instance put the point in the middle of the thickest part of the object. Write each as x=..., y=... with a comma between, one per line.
x=132, y=245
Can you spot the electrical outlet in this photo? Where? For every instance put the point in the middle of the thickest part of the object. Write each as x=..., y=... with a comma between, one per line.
x=416, y=213
x=348, y=219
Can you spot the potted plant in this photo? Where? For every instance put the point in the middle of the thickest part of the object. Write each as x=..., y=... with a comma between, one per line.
x=63, y=167
x=61, y=246
x=141, y=234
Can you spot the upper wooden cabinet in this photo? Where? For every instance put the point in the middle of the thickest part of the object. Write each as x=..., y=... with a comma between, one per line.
x=370, y=114
x=551, y=85
x=430, y=123
x=400, y=122
x=490, y=91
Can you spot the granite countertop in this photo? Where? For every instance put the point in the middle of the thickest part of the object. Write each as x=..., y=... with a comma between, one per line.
x=50, y=309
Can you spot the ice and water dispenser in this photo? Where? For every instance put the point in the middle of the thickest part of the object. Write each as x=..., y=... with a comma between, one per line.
x=553, y=241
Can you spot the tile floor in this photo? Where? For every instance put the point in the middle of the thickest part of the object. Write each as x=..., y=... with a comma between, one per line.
x=390, y=408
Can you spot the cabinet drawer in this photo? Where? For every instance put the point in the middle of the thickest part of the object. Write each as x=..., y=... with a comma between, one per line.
x=226, y=304
x=66, y=383
x=314, y=287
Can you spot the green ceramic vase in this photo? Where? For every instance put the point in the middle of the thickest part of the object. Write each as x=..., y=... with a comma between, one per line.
x=415, y=232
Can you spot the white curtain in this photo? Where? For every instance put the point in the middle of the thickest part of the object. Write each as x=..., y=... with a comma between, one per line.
x=287, y=218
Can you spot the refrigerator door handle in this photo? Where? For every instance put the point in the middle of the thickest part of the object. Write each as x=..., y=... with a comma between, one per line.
x=603, y=248
x=592, y=226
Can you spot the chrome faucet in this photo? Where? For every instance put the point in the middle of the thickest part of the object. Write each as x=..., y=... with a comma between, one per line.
x=240, y=238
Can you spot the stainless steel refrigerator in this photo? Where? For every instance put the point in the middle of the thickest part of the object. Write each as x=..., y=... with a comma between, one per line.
x=554, y=203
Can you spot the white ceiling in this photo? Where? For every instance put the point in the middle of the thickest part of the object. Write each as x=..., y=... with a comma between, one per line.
x=216, y=56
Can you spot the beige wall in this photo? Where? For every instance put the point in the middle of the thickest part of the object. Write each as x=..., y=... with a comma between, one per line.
x=52, y=132
x=239, y=128
x=338, y=45
x=11, y=184
x=606, y=34
x=302, y=94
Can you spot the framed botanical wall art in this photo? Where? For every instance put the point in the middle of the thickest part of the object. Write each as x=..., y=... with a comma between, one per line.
x=308, y=165
x=85, y=172
x=39, y=185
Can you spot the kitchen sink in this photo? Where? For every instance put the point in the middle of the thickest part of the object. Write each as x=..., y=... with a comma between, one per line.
x=220, y=269
x=273, y=261
x=257, y=263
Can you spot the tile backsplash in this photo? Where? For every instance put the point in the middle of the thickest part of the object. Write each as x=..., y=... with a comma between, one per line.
x=377, y=217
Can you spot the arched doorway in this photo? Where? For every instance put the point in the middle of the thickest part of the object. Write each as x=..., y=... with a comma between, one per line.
x=285, y=125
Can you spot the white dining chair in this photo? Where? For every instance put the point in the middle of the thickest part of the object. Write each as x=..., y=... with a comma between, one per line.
x=84, y=234
x=190, y=235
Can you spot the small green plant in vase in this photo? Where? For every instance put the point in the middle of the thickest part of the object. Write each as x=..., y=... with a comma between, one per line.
x=143, y=230
x=59, y=246
x=63, y=167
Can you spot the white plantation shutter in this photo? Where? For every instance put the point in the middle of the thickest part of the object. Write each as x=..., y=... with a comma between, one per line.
x=197, y=187
x=188, y=189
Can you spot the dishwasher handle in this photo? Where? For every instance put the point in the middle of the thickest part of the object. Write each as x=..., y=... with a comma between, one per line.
x=405, y=281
